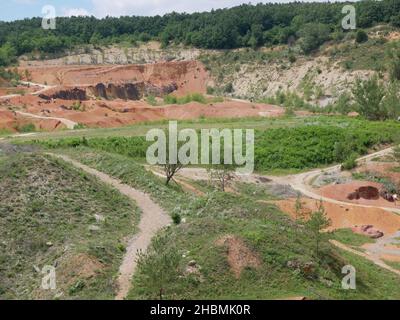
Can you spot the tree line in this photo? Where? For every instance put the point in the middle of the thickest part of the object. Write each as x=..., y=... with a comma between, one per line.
x=242, y=26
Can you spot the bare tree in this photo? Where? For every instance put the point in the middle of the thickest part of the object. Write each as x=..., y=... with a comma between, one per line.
x=222, y=175
x=170, y=170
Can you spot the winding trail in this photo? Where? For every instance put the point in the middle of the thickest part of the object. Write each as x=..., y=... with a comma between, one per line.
x=371, y=258
x=68, y=123
x=152, y=220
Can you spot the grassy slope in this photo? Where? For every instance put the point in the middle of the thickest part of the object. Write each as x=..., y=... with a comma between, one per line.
x=257, y=123
x=45, y=200
x=268, y=232
x=348, y=237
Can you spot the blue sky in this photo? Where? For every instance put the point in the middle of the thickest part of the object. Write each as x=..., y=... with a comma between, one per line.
x=19, y=9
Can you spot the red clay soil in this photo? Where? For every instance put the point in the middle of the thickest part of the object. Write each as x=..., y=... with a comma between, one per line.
x=11, y=121
x=345, y=216
x=190, y=76
x=341, y=192
x=118, y=112
x=239, y=255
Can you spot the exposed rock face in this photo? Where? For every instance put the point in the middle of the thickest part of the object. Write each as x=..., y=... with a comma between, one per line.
x=130, y=91
x=368, y=230
x=67, y=94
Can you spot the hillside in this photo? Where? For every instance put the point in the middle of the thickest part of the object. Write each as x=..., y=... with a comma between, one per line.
x=310, y=109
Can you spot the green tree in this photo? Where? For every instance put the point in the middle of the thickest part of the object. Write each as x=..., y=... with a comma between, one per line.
x=361, y=36
x=368, y=95
x=316, y=224
x=312, y=36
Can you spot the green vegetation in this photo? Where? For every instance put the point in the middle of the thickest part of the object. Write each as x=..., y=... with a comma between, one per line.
x=29, y=127
x=151, y=100
x=389, y=185
x=348, y=237
x=361, y=36
x=393, y=264
x=288, y=266
x=196, y=97
x=241, y=26
x=47, y=209
x=376, y=100
x=350, y=162
x=312, y=35
x=313, y=144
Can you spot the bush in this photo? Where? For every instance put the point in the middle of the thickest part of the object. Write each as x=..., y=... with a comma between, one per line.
x=228, y=88
x=361, y=36
x=151, y=100
x=351, y=162
x=29, y=127
x=170, y=99
x=176, y=218
x=312, y=36
x=210, y=90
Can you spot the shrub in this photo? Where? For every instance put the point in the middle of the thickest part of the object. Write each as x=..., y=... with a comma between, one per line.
x=176, y=218
x=210, y=90
x=151, y=100
x=228, y=88
x=29, y=127
x=350, y=163
x=361, y=36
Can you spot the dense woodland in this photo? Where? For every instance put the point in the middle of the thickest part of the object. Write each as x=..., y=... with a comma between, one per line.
x=241, y=26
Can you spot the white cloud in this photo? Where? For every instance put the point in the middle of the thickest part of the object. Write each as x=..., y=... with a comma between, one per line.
x=153, y=7
x=69, y=12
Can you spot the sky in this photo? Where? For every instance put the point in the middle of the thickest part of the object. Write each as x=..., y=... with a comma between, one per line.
x=19, y=9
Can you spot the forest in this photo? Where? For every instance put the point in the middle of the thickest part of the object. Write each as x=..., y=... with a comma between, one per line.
x=242, y=26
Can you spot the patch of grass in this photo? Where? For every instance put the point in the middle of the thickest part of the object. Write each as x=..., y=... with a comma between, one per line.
x=376, y=177
x=5, y=132
x=348, y=237
x=393, y=264
x=46, y=209
x=29, y=127
x=196, y=97
x=151, y=100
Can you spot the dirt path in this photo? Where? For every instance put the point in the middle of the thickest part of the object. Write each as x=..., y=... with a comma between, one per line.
x=28, y=83
x=301, y=182
x=68, y=123
x=371, y=258
x=152, y=220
